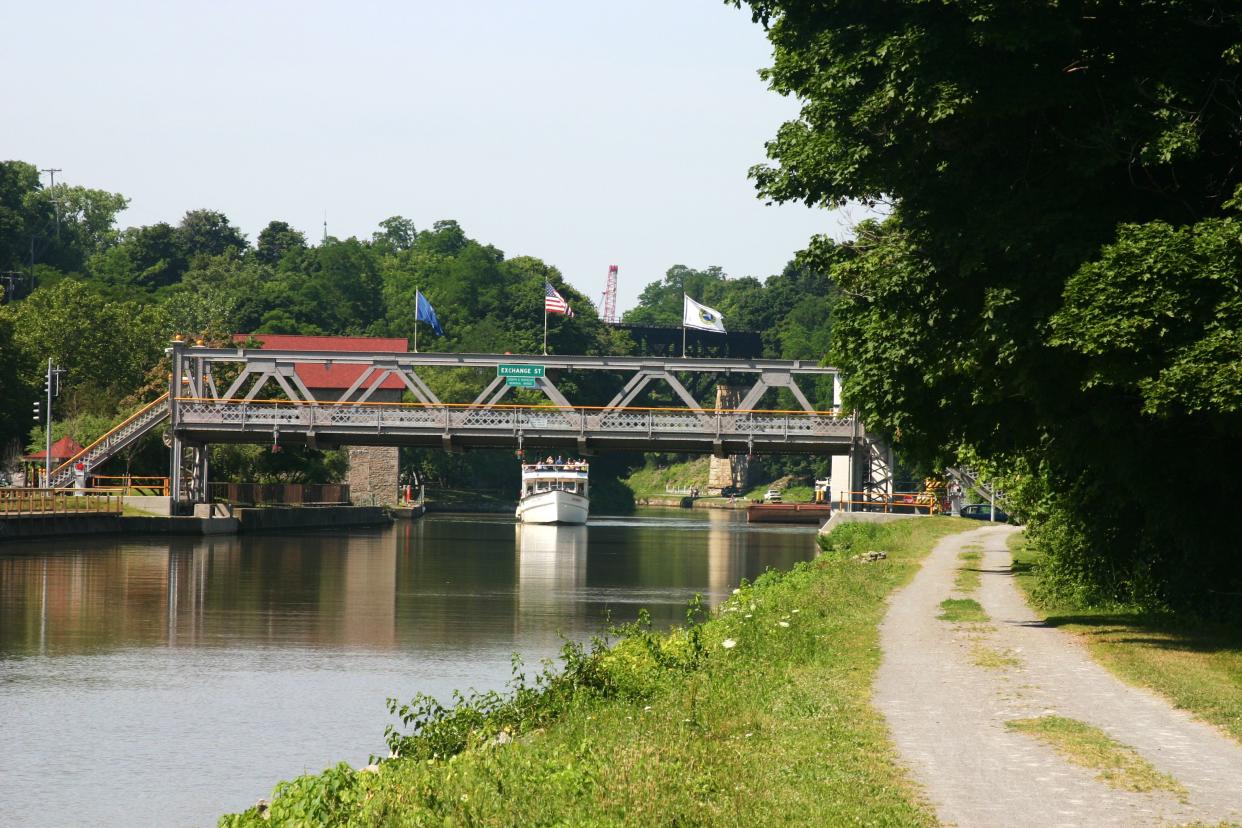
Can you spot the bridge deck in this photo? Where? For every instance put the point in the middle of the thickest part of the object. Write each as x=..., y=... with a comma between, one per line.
x=467, y=426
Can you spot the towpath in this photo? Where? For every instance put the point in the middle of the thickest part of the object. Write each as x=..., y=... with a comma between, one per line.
x=947, y=714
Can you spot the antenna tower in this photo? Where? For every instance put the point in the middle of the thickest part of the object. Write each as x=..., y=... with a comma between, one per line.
x=610, y=295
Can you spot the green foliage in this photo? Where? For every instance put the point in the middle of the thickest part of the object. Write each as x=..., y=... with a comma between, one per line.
x=1056, y=284
x=1158, y=316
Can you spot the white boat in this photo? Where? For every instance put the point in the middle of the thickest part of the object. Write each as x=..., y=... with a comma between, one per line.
x=554, y=493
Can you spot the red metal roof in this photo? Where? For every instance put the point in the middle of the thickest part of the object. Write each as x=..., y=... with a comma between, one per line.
x=319, y=376
x=62, y=450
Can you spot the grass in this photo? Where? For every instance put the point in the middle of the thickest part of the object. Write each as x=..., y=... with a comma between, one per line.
x=1117, y=765
x=992, y=659
x=1197, y=666
x=968, y=577
x=961, y=610
x=649, y=481
x=760, y=715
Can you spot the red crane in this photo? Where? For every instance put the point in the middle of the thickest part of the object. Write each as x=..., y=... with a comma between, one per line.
x=610, y=296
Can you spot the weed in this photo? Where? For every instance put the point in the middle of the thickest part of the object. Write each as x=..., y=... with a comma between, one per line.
x=961, y=609
x=1118, y=765
x=992, y=659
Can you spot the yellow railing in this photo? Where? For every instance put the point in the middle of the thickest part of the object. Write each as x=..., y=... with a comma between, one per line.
x=131, y=485
x=919, y=503
x=17, y=502
x=75, y=458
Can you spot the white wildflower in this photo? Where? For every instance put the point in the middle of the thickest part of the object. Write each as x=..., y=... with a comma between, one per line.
x=728, y=643
x=782, y=623
x=748, y=615
x=736, y=591
x=795, y=612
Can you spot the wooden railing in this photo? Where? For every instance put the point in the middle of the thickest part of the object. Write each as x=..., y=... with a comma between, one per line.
x=19, y=502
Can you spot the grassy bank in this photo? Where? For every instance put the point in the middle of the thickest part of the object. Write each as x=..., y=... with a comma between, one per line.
x=1197, y=666
x=650, y=481
x=761, y=714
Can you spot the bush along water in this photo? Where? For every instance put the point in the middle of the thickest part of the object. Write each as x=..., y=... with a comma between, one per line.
x=626, y=663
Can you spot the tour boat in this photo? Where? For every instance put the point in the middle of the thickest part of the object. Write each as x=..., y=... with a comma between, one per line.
x=553, y=493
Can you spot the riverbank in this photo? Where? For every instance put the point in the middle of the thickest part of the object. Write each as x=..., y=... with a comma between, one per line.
x=267, y=519
x=760, y=714
x=1195, y=665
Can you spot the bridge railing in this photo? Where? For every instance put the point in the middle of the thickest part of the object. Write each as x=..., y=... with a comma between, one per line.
x=464, y=417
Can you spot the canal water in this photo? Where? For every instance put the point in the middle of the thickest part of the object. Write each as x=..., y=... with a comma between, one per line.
x=166, y=681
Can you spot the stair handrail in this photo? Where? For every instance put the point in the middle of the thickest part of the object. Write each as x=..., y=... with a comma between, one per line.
x=127, y=421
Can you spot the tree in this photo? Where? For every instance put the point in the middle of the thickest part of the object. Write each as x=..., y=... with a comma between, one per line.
x=208, y=232
x=277, y=239
x=1012, y=141
x=395, y=234
x=17, y=179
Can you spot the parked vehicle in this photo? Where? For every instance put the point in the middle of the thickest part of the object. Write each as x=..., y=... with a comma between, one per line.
x=772, y=496
x=982, y=511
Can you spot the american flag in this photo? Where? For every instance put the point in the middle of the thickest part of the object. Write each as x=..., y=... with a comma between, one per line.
x=553, y=302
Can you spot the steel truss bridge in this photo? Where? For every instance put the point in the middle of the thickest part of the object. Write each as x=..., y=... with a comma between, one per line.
x=257, y=395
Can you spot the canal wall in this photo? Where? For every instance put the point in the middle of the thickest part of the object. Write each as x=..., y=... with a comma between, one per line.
x=686, y=502
x=473, y=508
x=275, y=519
x=243, y=520
x=861, y=517
x=20, y=527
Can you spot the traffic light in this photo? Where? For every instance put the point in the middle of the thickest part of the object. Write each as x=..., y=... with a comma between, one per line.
x=37, y=413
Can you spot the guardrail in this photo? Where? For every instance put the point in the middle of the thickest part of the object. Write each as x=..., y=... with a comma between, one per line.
x=909, y=503
x=19, y=502
x=132, y=485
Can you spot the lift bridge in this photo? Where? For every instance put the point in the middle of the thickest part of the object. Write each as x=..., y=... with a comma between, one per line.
x=259, y=395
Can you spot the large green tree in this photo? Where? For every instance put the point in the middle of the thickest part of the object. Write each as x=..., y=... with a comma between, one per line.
x=1010, y=142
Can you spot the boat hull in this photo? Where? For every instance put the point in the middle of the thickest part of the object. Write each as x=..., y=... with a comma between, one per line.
x=553, y=507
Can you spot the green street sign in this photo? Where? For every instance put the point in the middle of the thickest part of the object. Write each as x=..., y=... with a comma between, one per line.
x=519, y=371
x=521, y=382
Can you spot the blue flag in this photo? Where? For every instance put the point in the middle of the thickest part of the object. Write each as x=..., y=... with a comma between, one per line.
x=426, y=313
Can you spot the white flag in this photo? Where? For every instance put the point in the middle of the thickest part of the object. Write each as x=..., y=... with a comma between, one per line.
x=701, y=317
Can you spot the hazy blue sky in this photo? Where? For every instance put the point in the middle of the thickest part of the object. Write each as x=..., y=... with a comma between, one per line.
x=584, y=133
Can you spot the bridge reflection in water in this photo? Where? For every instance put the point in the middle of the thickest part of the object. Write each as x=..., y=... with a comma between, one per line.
x=444, y=583
x=281, y=649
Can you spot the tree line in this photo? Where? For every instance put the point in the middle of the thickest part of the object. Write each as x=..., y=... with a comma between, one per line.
x=103, y=302
x=1056, y=292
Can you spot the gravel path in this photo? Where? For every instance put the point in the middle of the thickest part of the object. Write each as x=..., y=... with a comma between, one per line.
x=947, y=715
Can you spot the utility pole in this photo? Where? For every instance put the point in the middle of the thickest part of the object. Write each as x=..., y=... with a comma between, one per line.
x=51, y=173
x=52, y=384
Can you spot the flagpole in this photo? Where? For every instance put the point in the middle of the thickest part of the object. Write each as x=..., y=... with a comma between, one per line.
x=416, y=295
x=545, y=323
x=683, y=326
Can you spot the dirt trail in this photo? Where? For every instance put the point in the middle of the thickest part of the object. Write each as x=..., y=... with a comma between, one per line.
x=947, y=715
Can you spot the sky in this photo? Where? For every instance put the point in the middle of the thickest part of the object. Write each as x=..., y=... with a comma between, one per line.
x=583, y=133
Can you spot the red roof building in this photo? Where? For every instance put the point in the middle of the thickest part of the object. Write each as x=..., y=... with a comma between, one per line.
x=320, y=377
x=62, y=450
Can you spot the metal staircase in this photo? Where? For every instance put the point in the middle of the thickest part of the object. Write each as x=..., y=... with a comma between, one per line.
x=877, y=482
x=124, y=434
x=968, y=478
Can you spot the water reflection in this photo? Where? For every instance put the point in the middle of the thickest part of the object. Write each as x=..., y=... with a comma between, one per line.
x=442, y=583
x=261, y=657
